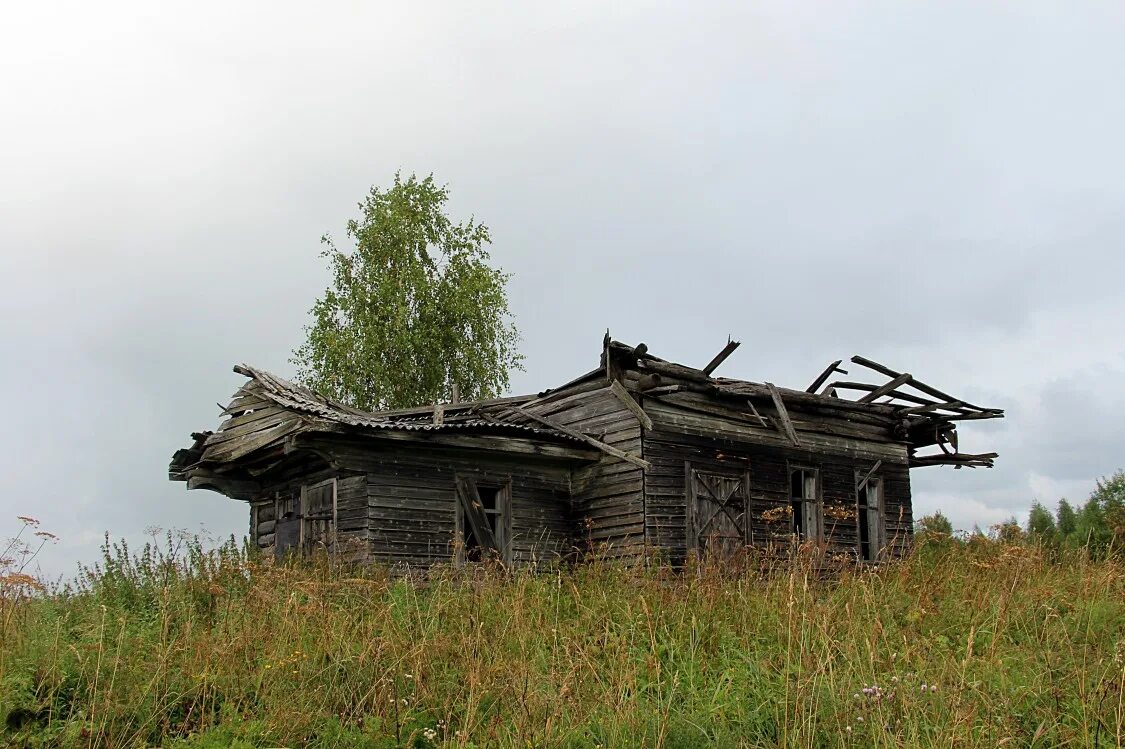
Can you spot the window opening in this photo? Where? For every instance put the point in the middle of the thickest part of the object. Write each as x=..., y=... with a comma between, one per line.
x=483, y=511
x=804, y=503
x=869, y=515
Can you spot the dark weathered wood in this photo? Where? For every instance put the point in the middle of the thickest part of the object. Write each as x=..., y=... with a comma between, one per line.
x=867, y=477
x=720, y=357
x=921, y=386
x=627, y=400
x=489, y=443
x=868, y=388
x=889, y=387
x=474, y=514
x=608, y=449
x=823, y=377
x=783, y=415
x=675, y=370
x=754, y=410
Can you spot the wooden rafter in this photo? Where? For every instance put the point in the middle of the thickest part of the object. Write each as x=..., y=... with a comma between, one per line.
x=721, y=357
x=828, y=372
x=627, y=400
x=889, y=387
x=783, y=415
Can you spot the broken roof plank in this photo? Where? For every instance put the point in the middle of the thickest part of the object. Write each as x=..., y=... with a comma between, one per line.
x=627, y=400
x=721, y=357
x=895, y=393
x=608, y=449
x=783, y=415
x=890, y=387
x=923, y=387
x=828, y=372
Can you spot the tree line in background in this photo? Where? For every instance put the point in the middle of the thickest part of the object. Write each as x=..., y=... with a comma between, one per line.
x=1098, y=525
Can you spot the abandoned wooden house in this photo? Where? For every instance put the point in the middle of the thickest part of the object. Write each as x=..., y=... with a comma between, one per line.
x=638, y=456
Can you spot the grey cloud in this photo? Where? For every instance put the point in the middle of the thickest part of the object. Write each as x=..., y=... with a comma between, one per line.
x=936, y=185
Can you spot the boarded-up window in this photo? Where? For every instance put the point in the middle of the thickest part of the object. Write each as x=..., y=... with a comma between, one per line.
x=718, y=521
x=804, y=500
x=869, y=515
x=484, y=520
x=318, y=516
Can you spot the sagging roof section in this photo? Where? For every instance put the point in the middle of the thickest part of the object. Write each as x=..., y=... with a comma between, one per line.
x=269, y=410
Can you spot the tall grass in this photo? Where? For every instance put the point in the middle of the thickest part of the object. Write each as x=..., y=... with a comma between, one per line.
x=960, y=645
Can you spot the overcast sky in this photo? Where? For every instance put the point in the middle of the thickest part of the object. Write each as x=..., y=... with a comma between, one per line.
x=938, y=186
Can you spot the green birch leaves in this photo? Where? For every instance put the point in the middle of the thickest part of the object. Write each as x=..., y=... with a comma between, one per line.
x=413, y=308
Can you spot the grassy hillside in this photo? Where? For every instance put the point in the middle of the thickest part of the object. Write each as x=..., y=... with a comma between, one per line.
x=980, y=644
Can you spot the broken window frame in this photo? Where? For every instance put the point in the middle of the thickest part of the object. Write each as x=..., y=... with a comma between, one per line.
x=869, y=518
x=807, y=511
x=501, y=528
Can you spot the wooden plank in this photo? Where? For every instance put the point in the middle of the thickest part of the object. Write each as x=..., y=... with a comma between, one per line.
x=872, y=388
x=889, y=387
x=627, y=400
x=783, y=415
x=474, y=514
x=721, y=357
x=754, y=410
x=516, y=445
x=927, y=389
x=676, y=370
x=608, y=449
x=828, y=372
x=867, y=477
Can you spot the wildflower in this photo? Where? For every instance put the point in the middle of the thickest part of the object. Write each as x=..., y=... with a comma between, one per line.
x=430, y=734
x=933, y=688
x=27, y=520
x=859, y=719
x=923, y=686
x=856, y=695
x=848, y=729
x=47, y=535
x=894, y=680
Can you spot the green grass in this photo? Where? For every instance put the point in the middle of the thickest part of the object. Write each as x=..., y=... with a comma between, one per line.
x=221, y=649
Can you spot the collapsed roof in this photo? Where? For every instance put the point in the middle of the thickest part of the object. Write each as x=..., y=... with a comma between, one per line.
x=268, y=413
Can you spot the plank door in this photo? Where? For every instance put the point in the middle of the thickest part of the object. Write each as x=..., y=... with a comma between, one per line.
x=718, y=512
x=318, y=521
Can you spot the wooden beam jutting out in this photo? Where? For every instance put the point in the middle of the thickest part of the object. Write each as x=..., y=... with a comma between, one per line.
x=627, y=401
x=923, y=387
x=783, y=415
x=721, y=357
x=890, y=387
x=828, y=372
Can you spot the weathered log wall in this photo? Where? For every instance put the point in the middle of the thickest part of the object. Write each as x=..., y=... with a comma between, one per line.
x=726, y=439
x=607, y=496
